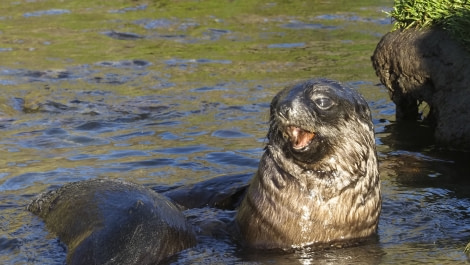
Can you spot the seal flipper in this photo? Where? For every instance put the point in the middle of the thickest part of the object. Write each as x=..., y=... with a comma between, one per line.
x=222, y=192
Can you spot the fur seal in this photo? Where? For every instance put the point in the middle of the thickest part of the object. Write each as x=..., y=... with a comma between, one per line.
x=113, y=222
x=318, y=180
x=317, y=183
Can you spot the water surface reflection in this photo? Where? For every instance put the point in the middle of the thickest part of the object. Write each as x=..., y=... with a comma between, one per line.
x=167, y=94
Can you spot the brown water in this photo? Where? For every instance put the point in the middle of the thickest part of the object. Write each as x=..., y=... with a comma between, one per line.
x=175, y=92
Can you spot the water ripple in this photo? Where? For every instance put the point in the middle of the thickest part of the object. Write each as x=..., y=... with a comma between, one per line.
x=47, y=12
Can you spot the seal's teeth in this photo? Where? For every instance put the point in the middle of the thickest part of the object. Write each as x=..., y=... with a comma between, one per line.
x=299, y=138
x=295, y=132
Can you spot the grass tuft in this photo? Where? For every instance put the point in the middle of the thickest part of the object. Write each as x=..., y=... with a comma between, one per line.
x=450, y=15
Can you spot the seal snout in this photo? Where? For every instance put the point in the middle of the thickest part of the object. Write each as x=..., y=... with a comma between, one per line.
x=287, y=111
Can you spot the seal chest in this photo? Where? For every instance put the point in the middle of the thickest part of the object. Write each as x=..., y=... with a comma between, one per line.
x=317, y=181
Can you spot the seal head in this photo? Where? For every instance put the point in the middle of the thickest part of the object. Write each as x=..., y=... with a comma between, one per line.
x=317, y=182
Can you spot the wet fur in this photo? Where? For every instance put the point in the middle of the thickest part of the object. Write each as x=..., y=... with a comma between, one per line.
x=113, y=222
x=326, y=194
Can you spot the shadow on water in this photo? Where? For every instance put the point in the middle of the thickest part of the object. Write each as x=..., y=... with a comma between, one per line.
x=426, y=195
x=418, y=162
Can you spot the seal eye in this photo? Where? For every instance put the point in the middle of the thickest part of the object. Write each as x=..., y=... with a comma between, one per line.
x=323, y=102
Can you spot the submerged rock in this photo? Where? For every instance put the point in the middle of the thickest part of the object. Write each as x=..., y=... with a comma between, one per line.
x=427, y=65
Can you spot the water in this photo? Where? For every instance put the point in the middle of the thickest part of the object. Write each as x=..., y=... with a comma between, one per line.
x=164, y=93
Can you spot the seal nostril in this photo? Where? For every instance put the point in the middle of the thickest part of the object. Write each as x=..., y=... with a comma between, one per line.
x=284, y=111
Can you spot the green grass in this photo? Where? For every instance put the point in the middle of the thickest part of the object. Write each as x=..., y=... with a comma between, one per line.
x=450, y=15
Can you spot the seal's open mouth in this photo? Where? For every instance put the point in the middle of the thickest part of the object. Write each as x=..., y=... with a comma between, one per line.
x=299, y=138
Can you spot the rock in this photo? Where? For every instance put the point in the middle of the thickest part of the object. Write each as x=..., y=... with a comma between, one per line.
x=427, y=65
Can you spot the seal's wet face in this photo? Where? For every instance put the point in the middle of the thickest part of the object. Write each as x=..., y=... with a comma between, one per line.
x=309, y=119
x=318, y=181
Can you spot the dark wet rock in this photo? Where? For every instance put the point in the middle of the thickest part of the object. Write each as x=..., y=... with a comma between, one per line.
x=114, y=222
x=428, y=66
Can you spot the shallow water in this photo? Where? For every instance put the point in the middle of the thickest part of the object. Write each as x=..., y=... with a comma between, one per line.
x=170, y=93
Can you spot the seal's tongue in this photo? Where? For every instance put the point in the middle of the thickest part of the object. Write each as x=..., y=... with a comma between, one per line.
x=299, y=138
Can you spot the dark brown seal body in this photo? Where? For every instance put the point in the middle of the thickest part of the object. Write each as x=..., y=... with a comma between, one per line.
x=317, y=182
x=113, y=222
